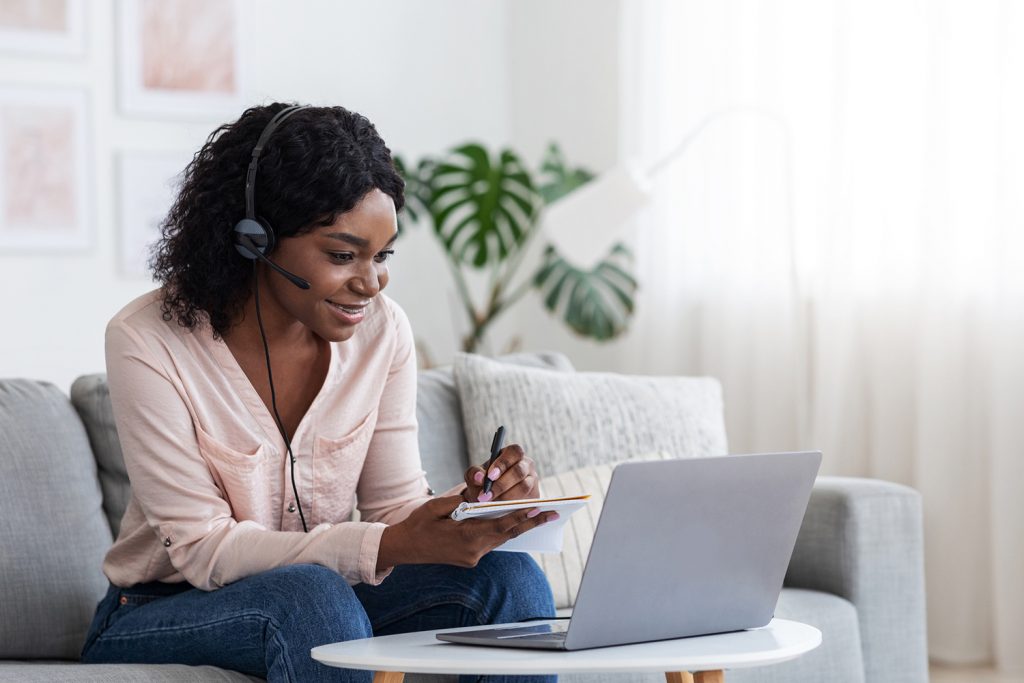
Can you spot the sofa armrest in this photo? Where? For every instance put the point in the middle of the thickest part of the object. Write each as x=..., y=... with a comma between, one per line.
x=862, y=540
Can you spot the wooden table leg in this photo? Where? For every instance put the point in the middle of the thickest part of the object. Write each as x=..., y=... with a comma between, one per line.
x=698, y=677
x=389, y=677
x=678, y=677
x=709, y=677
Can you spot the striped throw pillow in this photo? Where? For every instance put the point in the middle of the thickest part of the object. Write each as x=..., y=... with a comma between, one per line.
x=565, y=569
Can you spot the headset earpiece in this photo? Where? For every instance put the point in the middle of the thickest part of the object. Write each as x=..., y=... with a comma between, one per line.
x=260, y=235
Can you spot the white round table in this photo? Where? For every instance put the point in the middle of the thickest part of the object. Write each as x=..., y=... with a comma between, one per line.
x=706, y=656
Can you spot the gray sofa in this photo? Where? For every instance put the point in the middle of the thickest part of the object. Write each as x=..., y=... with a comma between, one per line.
x=856, y=573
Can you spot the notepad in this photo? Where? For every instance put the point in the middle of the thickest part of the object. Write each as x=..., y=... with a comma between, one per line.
x=546, y=538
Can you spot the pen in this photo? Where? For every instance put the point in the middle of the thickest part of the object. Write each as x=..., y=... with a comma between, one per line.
x=496, y=444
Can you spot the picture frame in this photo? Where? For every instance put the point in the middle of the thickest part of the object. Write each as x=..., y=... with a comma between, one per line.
x=35, y=27
x=180, y=59
x=147, y=184
x=45, y=187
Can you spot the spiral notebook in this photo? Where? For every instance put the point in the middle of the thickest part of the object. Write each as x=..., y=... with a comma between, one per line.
x=546, y=538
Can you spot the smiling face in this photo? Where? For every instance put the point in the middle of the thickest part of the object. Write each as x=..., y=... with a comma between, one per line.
x=346, y=264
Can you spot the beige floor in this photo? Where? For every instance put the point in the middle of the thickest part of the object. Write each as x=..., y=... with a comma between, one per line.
x=945, y=674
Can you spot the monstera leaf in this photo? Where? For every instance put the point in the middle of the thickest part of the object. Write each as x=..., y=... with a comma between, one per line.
x=595, y=303
x=559, y=180
x=483, y=208
x=417, y=189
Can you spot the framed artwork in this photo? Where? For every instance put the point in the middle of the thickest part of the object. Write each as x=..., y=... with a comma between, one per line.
x=45, y=196
x=147, y=183
x=43, y=27
x=180, y=58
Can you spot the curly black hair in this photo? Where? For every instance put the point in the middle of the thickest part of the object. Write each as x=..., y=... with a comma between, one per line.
x=318, y=164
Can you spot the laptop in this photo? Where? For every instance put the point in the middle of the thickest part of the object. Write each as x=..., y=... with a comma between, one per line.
x=682, y=548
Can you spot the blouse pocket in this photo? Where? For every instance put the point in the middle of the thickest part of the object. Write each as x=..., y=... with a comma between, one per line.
x=243, y=477
x=337, y=464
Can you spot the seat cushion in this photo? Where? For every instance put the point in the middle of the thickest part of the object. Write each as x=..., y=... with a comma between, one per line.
x=836, y=660
x=53, y=533
x=52, y=672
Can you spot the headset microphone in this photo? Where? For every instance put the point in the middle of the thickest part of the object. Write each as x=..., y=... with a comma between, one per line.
x=245, y=241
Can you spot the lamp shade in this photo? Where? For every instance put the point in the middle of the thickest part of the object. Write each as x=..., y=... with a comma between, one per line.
x=585, y=223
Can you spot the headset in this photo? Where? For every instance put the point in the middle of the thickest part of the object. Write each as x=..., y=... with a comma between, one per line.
x=254, y=238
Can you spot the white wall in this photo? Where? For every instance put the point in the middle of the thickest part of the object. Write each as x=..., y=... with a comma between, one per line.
x=564, y=78
x=427, y=74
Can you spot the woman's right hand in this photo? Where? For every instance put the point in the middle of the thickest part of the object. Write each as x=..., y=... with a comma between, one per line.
x=429, y=535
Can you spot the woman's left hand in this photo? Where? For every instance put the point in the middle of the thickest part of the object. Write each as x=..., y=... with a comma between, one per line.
x=513, y=477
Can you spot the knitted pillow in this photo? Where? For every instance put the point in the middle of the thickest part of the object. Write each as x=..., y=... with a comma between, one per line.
x=569, y=420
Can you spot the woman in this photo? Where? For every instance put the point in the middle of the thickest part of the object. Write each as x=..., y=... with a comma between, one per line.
x=258, y=397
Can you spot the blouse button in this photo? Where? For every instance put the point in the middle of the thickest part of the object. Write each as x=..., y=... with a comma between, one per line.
x=291, y=507
x=167, y=542
x=123, y=600
x=430, y=491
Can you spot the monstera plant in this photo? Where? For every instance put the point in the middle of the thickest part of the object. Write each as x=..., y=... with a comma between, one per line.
x=485, y=210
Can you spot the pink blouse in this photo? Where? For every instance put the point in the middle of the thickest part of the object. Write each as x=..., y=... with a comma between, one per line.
x=211, y=495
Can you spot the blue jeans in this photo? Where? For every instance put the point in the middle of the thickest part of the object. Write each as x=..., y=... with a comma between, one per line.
x=266, y=624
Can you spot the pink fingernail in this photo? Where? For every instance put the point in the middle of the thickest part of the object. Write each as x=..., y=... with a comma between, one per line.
x=553, y=517
x=484, y=497
x=478, y=477
x=494, y=474
x=533, y=513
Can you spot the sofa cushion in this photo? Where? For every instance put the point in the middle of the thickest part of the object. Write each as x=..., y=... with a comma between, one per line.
x=836, y=660
x=52, y=531
x=439, y=413
x=91, y=398
x=570, y=420
x=51, y=672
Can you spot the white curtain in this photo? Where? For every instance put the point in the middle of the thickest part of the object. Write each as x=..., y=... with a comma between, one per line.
x=842, y=245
